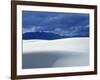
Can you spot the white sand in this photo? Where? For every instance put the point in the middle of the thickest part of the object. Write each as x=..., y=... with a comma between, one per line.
x=80, y=45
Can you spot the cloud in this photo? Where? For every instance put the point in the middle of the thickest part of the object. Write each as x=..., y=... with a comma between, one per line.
x=64, y=24
x=53, y=19
x=32, y=29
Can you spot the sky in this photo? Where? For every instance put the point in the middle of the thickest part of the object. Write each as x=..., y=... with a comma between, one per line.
x=64, y=24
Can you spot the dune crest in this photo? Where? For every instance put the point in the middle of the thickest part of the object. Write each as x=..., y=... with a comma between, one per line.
x=80, y=45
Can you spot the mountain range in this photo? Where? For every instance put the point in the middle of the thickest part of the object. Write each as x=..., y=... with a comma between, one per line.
x=48, y=36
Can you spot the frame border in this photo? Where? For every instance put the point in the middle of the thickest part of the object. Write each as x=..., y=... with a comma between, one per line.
x=14, y=4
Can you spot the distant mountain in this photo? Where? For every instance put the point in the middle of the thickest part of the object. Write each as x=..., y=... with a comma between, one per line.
x=40, y=35
x=48, y=36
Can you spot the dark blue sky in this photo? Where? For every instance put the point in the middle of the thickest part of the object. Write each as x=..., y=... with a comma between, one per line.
x=55, y=22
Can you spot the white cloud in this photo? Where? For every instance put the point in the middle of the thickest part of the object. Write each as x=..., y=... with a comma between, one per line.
x=32, y=29
x=53, y=18
x=87, y=26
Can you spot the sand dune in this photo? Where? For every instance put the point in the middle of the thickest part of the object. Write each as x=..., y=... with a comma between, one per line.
x=55, y=53
x=79, y=45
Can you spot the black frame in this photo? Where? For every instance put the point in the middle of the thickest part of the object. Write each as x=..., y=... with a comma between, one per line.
x=14, y=4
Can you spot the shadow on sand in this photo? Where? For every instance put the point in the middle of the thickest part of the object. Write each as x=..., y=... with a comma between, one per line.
x=54, y=59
